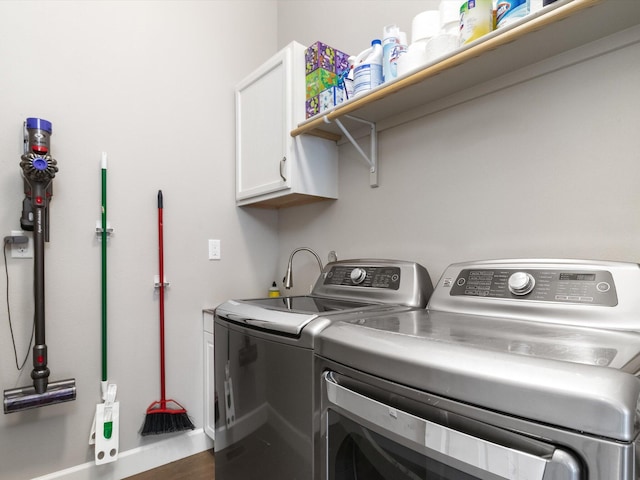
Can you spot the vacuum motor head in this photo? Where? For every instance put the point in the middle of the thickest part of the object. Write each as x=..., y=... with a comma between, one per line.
x=36, y=162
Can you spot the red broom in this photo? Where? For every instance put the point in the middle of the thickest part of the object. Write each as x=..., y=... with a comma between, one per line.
x=165, y=415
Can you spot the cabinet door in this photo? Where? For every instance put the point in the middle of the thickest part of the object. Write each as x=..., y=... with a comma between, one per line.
x=209, y=380
x=263, y=123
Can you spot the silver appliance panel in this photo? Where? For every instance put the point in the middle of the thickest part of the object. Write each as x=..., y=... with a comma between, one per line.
x=369, y=433
x=264, y=352
x=343, y=286
x=548, y=349
x=553, y=341
x=585, y=293
x=375, y=280
x=356, y=446
x=401, y=348
x=286, y=315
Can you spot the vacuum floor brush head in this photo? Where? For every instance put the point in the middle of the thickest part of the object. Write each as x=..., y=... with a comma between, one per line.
x=25, y=398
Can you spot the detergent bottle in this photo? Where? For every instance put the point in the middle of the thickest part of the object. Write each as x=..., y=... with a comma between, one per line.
x=274, y=291
x=368, y=68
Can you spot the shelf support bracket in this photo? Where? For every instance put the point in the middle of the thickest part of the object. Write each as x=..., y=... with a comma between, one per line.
x=372, y=158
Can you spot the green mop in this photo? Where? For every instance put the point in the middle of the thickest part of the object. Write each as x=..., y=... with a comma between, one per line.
x=104, y=432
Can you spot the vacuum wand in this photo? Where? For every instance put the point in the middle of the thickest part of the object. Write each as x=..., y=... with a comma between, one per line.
x=38, y=170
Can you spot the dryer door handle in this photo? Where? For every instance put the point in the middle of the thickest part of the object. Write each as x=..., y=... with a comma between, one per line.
x=455, y=448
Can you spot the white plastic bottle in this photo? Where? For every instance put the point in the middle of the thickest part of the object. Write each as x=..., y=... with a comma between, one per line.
x=397, y=51
x=390, y=38
x=510, y=11
x=368, y=68
x=349, y=80
x=476, y=20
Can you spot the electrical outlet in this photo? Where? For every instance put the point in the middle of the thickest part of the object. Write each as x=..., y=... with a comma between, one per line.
x=214, y=249
x=22, y=250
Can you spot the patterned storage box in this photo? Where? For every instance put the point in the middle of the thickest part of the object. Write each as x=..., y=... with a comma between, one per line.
x=324, y=66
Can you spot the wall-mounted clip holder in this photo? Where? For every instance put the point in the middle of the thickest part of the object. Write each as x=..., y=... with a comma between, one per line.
x=156, y=282
x=99, y=230
x=372, y=158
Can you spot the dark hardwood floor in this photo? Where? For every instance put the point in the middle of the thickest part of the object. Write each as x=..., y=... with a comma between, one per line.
x=196, y=467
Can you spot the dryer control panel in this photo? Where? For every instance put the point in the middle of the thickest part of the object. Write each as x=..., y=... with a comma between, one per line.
x=364, y=276
x=588, y=293
x=588, y=287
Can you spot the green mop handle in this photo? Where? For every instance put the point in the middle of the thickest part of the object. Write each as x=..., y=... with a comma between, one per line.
x=104, y=267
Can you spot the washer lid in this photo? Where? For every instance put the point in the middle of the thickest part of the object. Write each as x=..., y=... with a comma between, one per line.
x=287, y=315
x=260, y=317
x=511, y=367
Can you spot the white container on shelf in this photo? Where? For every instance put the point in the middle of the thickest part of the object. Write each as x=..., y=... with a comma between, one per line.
x=424, y=27
x=476, y=20
x=390, y=38
x=510, y=11
x=394, y=45
x=368, y=68
x=448, y=38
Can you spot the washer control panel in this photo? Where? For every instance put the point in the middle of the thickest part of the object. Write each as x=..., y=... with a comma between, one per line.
x=364, y=276
x=588, y=287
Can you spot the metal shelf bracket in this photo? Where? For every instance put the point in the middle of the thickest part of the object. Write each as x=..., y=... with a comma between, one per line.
x=372, y=158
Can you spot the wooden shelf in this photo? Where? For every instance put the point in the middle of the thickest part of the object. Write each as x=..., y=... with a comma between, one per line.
x=555, y=29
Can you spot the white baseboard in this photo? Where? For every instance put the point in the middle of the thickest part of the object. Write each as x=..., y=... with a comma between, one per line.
x=136, y=460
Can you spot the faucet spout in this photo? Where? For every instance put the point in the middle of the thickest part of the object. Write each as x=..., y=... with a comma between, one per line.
x=288, y=278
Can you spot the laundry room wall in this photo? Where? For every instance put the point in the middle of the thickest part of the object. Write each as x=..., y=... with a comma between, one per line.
x=150, y=83
x=540, y=163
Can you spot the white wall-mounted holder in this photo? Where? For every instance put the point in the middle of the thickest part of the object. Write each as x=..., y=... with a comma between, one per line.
x=99, y=230
x=372, y=158
x=156, y=282
x=107, y=428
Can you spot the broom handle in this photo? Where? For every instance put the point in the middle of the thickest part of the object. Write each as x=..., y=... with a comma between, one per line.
x=161, y=282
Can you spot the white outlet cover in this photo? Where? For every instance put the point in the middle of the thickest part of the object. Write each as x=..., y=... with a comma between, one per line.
x=214, y=249
x=22, y=250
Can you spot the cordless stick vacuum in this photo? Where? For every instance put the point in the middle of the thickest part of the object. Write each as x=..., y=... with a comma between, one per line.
x=38, y=170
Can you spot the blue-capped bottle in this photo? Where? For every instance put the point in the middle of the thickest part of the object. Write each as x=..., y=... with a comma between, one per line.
x=368, y=68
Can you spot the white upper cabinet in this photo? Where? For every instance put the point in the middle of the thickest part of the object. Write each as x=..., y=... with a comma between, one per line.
x=274, y=169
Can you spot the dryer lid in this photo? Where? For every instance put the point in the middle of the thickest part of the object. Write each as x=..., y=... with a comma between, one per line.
x=481, y=365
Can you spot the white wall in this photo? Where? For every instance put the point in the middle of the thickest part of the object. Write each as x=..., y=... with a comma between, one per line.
x=546, y=167
x=151, y=83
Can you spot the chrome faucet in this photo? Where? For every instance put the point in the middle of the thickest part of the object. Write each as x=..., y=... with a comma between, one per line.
x=288, y=278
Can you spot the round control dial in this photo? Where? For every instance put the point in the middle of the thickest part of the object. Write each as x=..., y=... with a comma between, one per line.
x=358, y=275
x=521, y=283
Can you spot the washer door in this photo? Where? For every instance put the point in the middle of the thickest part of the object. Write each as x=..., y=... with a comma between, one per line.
x=365, y=438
